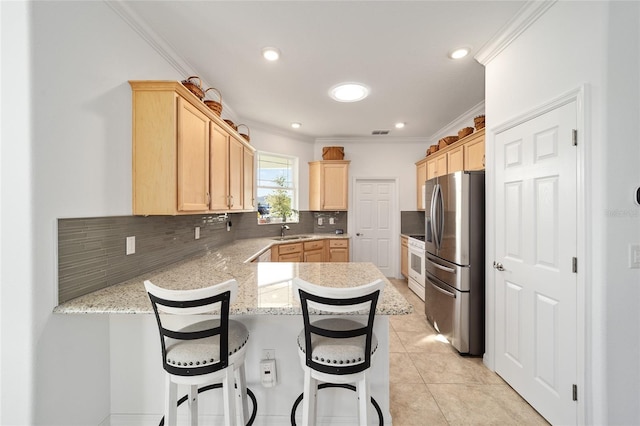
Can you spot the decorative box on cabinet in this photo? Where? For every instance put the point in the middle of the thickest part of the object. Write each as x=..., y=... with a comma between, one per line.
x=177, y=165
x=328, y=185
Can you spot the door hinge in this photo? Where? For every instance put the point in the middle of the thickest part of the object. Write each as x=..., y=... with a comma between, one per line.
x=574, y=137
x=575, y=392
x=574, y=265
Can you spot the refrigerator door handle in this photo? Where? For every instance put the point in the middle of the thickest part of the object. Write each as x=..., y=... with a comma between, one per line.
x=444, y=268
x=434, y=227
x=440, y=215
x=441, y=290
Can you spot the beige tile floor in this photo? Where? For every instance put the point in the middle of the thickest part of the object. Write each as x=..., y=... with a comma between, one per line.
x=432, y=384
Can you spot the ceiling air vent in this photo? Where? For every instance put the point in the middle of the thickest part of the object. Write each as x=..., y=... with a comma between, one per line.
x=380, y=132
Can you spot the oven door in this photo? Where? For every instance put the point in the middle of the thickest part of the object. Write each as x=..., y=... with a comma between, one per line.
x=416, y=271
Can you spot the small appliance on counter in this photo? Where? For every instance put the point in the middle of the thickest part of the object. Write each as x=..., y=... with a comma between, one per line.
x=454, y=258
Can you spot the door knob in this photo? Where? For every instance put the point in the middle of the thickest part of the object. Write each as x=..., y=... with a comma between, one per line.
x=498, y=266
x=359, y=234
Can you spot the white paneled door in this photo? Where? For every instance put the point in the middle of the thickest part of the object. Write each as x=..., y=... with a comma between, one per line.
x=535, y=283
x=374, y=219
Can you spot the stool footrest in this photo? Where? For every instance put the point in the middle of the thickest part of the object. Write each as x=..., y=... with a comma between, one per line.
x=217, y=386
x=332, y=385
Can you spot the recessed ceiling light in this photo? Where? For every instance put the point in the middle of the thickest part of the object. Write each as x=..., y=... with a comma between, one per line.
x=271, y=53
x=296, y=125
x=399, y=125
x=459, y=53
x=349, y=92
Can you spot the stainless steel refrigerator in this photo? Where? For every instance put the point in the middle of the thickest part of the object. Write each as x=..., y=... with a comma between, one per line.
x=454, y=258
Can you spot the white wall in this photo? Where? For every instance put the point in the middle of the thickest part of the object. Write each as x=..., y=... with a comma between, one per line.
x=383, y=158
x=596, y=44
x=66, y=152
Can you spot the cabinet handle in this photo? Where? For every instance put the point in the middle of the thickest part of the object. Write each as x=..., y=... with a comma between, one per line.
x=230, y=201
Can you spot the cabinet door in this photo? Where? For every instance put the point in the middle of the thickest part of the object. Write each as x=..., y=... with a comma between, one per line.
x=236, y=172
x=339, y=250
x=314, y=256
x=431, y=169
x=421, y=177
x=249, y=180
x=219, y=168
x=455, y=160
x=474, y=155
x=193, y=158
x=338, y=254
x=441, y=165
x=334, y=186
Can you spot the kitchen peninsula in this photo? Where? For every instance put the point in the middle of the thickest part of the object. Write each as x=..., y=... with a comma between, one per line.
x=266, y=303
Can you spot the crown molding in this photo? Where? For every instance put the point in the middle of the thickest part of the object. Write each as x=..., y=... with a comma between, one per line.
x=274, y=130
x=461, y=121
x=526, y=16
x=374, y=139
x=159, y=44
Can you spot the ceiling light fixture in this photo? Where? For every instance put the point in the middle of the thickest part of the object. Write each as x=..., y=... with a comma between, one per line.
x=400, y=125
x=271, y=53
x=296, y=125
x=349, y=92
x=459, y=53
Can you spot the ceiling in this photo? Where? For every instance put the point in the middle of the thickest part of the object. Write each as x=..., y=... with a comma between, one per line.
x=397, y=48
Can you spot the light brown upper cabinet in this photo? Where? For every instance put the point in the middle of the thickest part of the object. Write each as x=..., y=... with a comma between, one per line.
x=329, y=185
x=474, y=151
x=465, y=154
x=185, y=158
x=436, y=166
x=248, y=179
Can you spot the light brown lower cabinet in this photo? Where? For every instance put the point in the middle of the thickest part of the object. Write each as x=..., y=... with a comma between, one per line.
x=327, y=250
x=339, y=250
x=314, y=251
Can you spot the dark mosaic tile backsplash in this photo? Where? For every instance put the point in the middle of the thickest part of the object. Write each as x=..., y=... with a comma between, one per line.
x=91, y=251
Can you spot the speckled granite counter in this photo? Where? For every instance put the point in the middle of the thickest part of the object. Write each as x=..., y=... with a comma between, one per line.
x=264, y=287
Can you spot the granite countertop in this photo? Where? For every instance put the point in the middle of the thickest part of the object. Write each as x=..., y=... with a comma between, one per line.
x=264, y=287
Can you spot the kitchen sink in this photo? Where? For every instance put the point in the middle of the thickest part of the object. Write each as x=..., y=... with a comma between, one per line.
x=292, y=237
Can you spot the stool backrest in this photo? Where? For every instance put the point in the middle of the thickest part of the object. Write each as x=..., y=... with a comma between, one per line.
x=214, y=299
x=361, y=300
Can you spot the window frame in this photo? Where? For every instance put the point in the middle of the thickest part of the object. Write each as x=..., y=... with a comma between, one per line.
x=292, y=166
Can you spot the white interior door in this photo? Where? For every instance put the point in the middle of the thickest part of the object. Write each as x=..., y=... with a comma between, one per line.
x=374, y=218
x=535, y=243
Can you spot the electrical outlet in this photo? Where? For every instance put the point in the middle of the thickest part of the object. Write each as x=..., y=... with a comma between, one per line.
x=131, y=245
x=320, y=221
x=197, y=233
x=268, y=354
x=332, y=221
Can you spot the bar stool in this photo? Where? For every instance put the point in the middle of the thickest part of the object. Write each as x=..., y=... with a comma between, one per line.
x=336, y=350
x=204, y=352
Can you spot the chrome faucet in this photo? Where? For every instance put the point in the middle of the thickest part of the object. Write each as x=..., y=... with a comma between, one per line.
x=282, y=229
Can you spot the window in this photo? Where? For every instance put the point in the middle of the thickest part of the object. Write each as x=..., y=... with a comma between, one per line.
x=277, y=188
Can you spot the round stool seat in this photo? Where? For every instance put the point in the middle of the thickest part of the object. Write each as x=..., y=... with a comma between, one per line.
x=331, y=351
x=191, y=353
